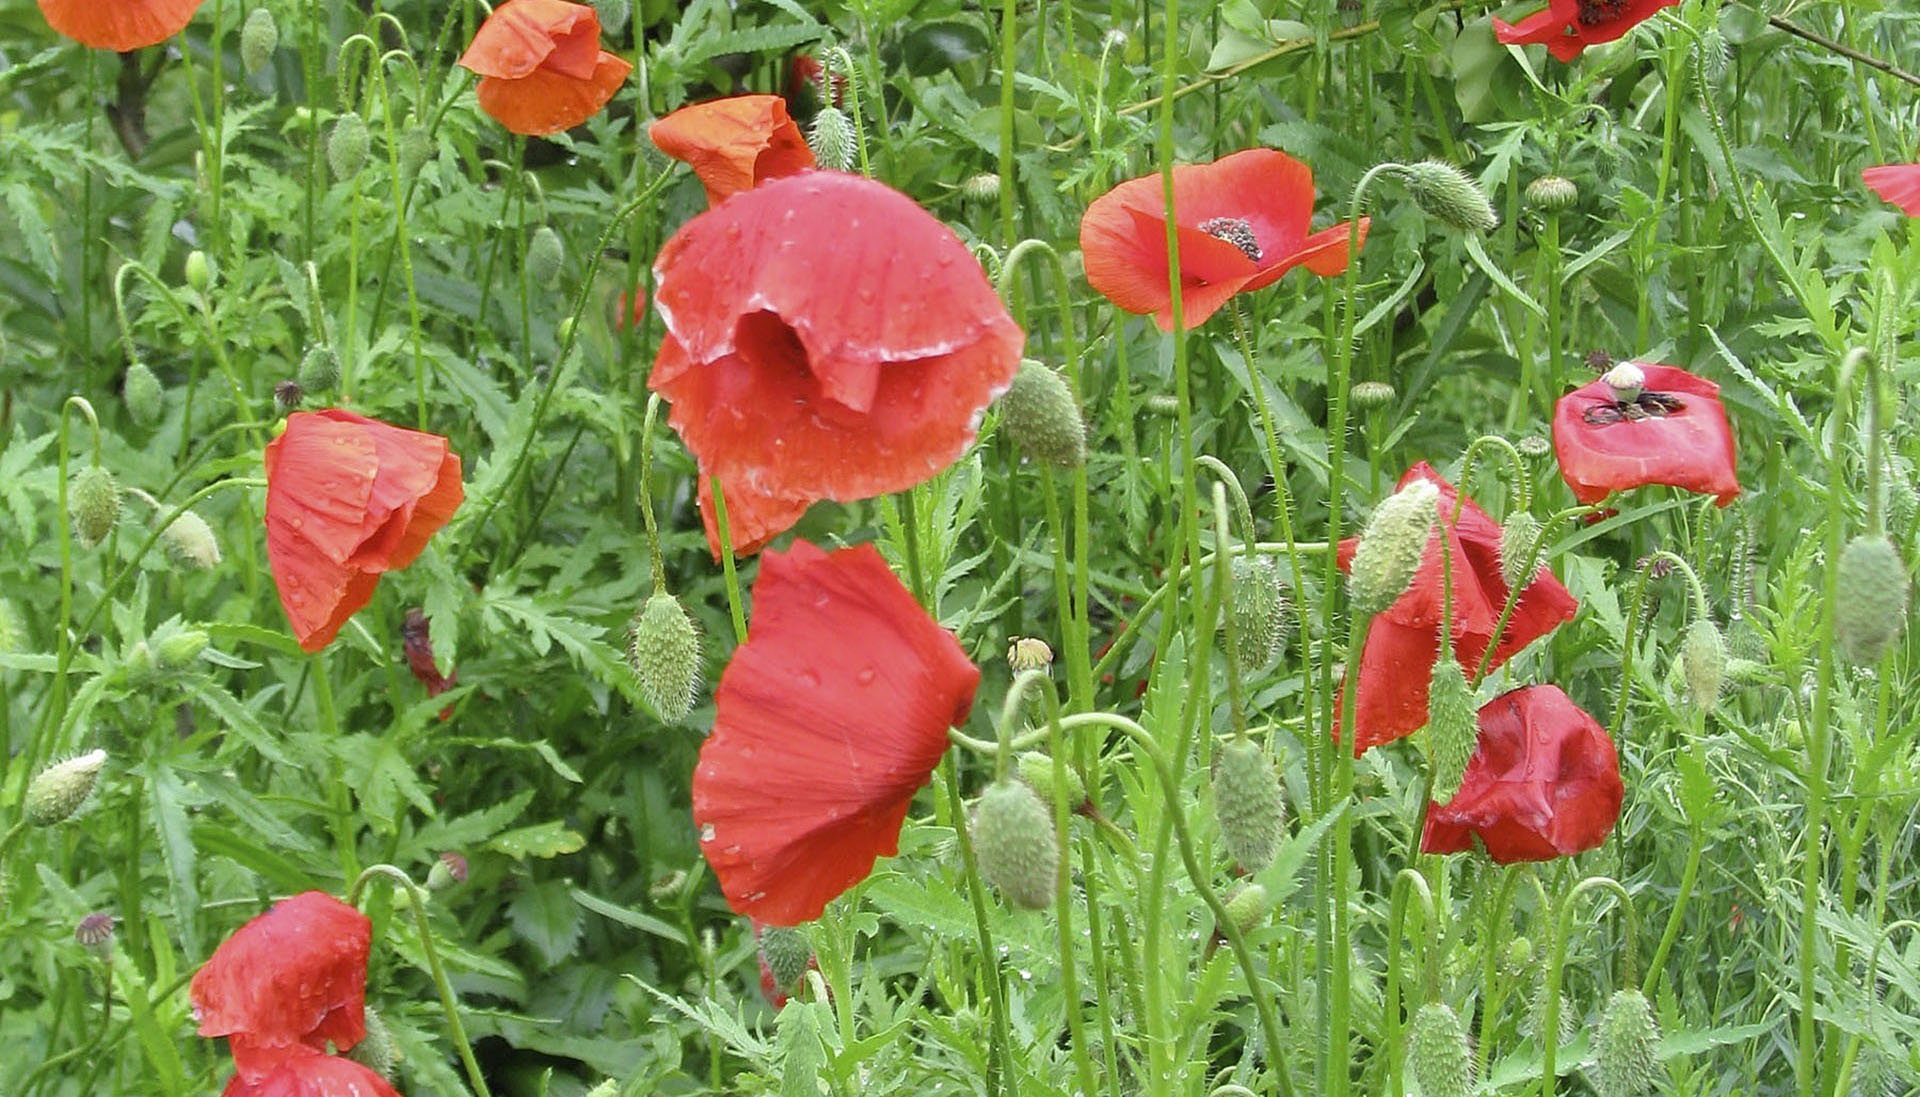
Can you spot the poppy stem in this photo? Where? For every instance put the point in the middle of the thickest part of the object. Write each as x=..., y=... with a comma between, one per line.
x=1562, y=929
x=402, y=882
x=1405, y=880
x=1002, y=1050
x=646, y=495
x=721, y=527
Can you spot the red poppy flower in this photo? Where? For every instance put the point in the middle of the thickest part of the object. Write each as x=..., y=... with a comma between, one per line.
x=287, y=982
x=1566, y=27
x=1243, y=221
x=311, y=1074
x=1645, y=424
x=349, y=497
x=734, y=144
x=416, y=640
x=827, y=721
x=1544, y=782
x=1396, y=662
x=121, y=25
x=541, y=66
x=826, y=338
x=1897, y=183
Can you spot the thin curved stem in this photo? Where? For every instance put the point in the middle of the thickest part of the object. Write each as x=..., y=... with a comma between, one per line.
x=448, y=1003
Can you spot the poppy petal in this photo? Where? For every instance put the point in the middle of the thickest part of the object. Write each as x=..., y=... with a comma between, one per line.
x=1897, y=183
x=294, y=976
x=1689, y=446
x=1539, y=28
x=733, y=144
x=545, y=102
x=313, y=1074
x=122, y=25
x=522, y=35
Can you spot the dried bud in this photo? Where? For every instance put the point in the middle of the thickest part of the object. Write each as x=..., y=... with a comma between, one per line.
x=1703, y=660
x=665, y=655
x=1624, y=1062
x=1391, y=546
x=1248, y=907
x=1552, y=193
x=146, y=400
x=1599, y=361
x=1029, y=653
x=1627, y=381
x=1036, y=769
x=320, y=369
x=1450, y=194
x=1013, y=836
x=62, y=789
x=1871, y=604
x=1039, y=413
x=448, y=869
x=1256, y=616
x=95, y=932
x=93, y=505
x=787, y=952
x=1438, y=1054
x=376, y=1051
x=1519, y=544
x=834, y=143
x=1248, y=804
x=199, y=271
x=259, y=37
x=1372, y=395
x=287, y=396
x=545, y=255
x=1452, y=730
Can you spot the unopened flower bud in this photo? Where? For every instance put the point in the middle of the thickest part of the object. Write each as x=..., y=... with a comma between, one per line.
x=982, y=188
x=259, y=37
x=1624, y=1045
x=545, y=255
x=1013, y=837
x=93, y=505
x=1534, y=446
x=1438, y=1054
x=347, y=145
x=1518, y=955
x=61, y=789
x=1703, y=661
x=177, y=650
x=287, y=396
x=787, y=951
x=1450, y=194
x=1552, y=193
x=1248, y=907
x=1711, y=50
x=1039, y=413
x=1372, y=395
x=416, y=144
x=1036, y=769
x=834, y=143
x=1870, y=606
x=1256, y=617
x=137, y=664
x=1627, y=381
x=1452, y=730
x=1519, y=547
x=1391, y=546
x=95, y=933
x=448, y=869
x=665, y=656
x=1029, y=653
x=376, y=1051
x=199, y=271
x=1248, y=804
x=146, y=400
x=320, y=369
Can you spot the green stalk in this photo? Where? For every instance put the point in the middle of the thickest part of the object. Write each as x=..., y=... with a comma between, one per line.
x=448, y=1003
x=1562, y=928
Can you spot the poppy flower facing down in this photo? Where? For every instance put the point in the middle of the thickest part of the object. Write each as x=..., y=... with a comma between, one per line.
x=1645, y=424
x=1897, y=183
x=541, y=67
x=827, y=721
x=286, y=983
x=826, y=338
x=1243, y=221
x=120, y=25
x=1566, y=27
x=1403, y=642
x=311, y=1074
x=348, y=498
x=734, y=144
x=1544, y=782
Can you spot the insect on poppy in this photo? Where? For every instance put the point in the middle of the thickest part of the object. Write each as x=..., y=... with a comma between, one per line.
x=1899, y=184
x=734, y=144
x=119, y=25
x=541, y=67
x=1566, y=27
x=1645, y=424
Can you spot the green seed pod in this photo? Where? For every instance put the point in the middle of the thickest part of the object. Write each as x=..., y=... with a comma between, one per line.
x=1372, y=395
x=347, y=145
x=1039, y=413
x=545, y=255
x=146, y=400
x=1871, y=604
x=1624, y=1063
x=1451, y=195
x=1248, y=907
x=376, y=1051
x=259, y=37
x=834, y=143
x=1248, y=803
x=1519, y=540
x=1257, y=613
x=1391, y=546
x=1013, y=837
x=199, y=271
x=320, y=369
x=1703, y=661
x=1438, y=1053
x=1452, y=728
x=1036, y=769
x=1552, y=193
x=93, y=505
x=62, y=789
x=178, y=650
x=787, y=951
x=665, y=655
x=190, y=544
x=1627, y=381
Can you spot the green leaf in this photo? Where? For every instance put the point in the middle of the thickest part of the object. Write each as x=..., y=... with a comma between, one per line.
x=166, y=797
x=544, y=840
x=626, y=916
x=546, y=917
x=797, y=1046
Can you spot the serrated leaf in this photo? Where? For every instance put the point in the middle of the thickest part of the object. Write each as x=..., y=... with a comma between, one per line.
x=167, y=799
x=777, y=38
x=797, y=1045
x=543, y=840
x=546, y=917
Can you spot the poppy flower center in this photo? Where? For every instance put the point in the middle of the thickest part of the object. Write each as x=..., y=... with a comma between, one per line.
x=1594, y=13
x=769, y=343
x=1236, y=231
x=1647, y=405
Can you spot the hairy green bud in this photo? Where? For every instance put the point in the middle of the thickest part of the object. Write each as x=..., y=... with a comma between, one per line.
x=546, y=253
x=62, y=789
x=320, y=369
x=146, y=400
x=1870, y=608
x=834, y=143
x=1552, y=193
x=93, y=505
x=1451, y=195
x=199, y=271
x=1036, y=769
x=1372, y=395
x=665, y=655
x=1248, y=907
x=788, y=951
x=376, y=1050
x=1248, y=803
x=1039, y=413
x=1519, y=541
x=1624, y=1063
x=1391, y=546
x=1703, y=661
x=1452, y=729
x=190, y=544
x=1013, y=837
x=259, y=37
x=1438, y=1053
x=1256, y=616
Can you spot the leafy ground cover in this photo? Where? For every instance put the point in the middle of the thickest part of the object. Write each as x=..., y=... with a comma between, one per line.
x=912, y=546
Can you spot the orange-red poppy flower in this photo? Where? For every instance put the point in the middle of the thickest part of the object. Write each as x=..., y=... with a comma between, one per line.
x=1897, y=183
x=541, y=66
x=1645, y=424
x=119, y=25
x=1566, y=27
x=1243, y=221
x=348, y=498
x=286, y=983
x=1403, y=642
x=312, y=1074
x=1544, y=782
x=826, y=338
x=734, y=144
x=827, y=721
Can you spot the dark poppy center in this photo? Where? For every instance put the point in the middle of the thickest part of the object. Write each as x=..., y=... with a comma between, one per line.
x=769, y=343
x=1647, y=405
x=1594, y=13
x=1236, y=231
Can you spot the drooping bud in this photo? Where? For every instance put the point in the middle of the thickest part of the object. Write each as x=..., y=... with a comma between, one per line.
x=1870, y=606
x=320, y=369
x=1703, y=661
x=1372, y=395
x=1029, y=653
x=448, y=869
x=146, y=400
x=665, y=655
x=1624, y=1062
x=787, y=951
x=1711, y=50
x=1013, y=836
x=1533, y=447
x=347, y=145
x=1438, y=1053
x=376, y=1051
x=1552, y=193
x=199, y=271
x=1256, y=613
x=1039, y=413
x=93, y=505
x=1248, y=804
x=259, y=37
x=1248, y=907
x=1391, y=546
x=1450, y=194
x=416, y=144
x=1036, y=769
x=1627, y=382
x=1452, y=732
x=176, y=650
x=982, y=188
x=834, y=143
x=287, y=396
x=545, y=255
x=62, y=789
x=1519, y=541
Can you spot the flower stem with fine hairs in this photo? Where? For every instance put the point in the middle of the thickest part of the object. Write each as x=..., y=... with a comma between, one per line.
x=646, y=496
x=449, y=1004
x=1403, y=881
x=1002, y=1051
x=1562, y=928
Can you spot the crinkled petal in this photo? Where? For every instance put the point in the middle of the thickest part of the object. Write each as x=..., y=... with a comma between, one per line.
x=524, y=35
x=733, y=144
x=312, y=1074
x=1897, y=183
x=119, y=25
x=545, y=102
x=293, y=976
x=1690, y=448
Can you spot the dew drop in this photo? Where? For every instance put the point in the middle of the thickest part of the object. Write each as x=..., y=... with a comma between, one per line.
x=706, y=832
x=865, y=677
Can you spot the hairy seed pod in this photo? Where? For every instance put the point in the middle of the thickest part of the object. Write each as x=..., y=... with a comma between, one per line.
x=1014, y=840
x=376, y=1050
x=1624, y=1045
x=1248, y=803
x=1391, y=546
x=1438, y=1053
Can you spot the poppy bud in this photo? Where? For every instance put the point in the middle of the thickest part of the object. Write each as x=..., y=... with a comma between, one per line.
x=1438, y=1054
x=1519, y=540
x=1533, y=446
x=1452, y=731
x=563, y=331
x=1029, y=653
x=320, y=369
x=1871, y=606
x=1450, y=194
x=668, y=886
x=1248, y=907
x=1248, y=804
x=138, y=664
x=259, y=37
x=1350, y=12
x=146, y=400
x=1039, y=413
x=1256, y=613
x=1162, y=404
x=613, y=15
x=834, y=143
x=1036, y=769
x=1372, y=395
x=347, y=145
x=1624, y=1061
x=1703, y=661
x=448, y=869
x=416, y=144
x=1902, y=500
x=95, y=932
x=1711, y=49
x=1013, y=836
x=983, y=188
x=287, y=396
x=62, y=788
x=1391, y=546
x=1519, y=954
x=787, y=952
x=176, y=650
x=1627, y=381
x=199, y=271
x=665, y=655
x=545, y=254
x=93, y=504
x=1534, y=1023
x=1552, y=193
